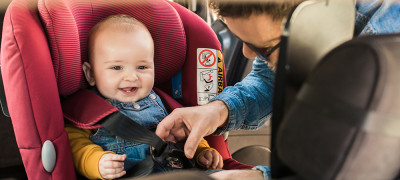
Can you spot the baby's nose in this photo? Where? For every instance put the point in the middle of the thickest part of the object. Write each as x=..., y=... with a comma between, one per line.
x=131, y=76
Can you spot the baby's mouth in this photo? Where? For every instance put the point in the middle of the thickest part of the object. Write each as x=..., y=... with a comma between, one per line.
x=128, y=89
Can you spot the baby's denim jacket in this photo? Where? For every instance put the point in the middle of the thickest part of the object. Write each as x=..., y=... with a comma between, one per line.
x=148, y=112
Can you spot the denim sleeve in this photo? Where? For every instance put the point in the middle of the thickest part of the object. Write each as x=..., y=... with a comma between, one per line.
x=266, y=171
x=250, y=101
x=377, y=17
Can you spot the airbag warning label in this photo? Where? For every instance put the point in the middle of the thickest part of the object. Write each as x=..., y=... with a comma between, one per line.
x=209, y=74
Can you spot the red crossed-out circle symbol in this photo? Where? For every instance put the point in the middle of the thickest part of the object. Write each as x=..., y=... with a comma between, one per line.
x=207, y=58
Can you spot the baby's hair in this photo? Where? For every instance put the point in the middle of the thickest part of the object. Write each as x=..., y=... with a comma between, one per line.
x=121, y=22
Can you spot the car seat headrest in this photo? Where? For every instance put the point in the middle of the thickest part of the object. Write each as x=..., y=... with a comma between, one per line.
x=68, y=23
x=314, y=29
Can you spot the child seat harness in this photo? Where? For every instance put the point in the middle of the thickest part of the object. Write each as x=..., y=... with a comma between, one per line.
x=87, y=110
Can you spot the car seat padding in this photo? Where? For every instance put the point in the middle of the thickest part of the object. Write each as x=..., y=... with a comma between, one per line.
x=69, y=22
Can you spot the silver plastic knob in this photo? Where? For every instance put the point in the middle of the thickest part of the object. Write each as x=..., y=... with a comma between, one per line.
x=48, y=156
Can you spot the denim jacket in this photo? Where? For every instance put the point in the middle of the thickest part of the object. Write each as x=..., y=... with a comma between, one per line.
x=377, y=17
x=148, y=112
x=250, y=101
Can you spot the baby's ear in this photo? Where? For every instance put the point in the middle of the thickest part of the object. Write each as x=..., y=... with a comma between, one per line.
x=87, y=70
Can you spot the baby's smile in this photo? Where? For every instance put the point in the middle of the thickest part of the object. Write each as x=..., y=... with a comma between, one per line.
x=129, y=90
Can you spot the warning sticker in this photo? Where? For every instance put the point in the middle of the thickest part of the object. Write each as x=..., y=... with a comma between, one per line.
x=207, y=57
x=220, y=72
x=209, y=74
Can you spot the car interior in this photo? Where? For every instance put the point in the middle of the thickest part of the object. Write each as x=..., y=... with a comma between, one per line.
x=66, y=25
x=335, y=101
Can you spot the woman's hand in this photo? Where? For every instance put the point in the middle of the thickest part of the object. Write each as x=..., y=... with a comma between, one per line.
x=194, y=123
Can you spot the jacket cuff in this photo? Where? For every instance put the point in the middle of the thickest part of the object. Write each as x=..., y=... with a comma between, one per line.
x=91, y=169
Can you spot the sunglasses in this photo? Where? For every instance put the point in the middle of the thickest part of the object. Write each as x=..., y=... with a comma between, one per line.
x=263, y=53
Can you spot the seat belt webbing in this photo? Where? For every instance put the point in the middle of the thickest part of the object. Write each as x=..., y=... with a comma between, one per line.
x=126, y=128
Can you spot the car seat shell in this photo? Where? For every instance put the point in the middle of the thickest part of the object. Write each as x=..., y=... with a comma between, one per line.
x=35, y=110
x=43, y=46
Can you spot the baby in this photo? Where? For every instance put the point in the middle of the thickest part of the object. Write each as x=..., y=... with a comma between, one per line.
x=121, y=70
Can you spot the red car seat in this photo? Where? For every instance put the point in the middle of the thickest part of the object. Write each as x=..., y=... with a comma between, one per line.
x=43, y=46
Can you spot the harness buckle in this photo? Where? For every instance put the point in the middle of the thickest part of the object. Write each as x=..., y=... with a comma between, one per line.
x=173, y=155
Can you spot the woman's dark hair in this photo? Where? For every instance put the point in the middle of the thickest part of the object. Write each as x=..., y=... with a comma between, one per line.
x=278, y=9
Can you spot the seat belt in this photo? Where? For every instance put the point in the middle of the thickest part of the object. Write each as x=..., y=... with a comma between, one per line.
x=164, y=153
x=87, y=110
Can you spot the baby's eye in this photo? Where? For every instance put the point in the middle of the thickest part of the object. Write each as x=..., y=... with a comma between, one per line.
x=141, y=67
x=117, y=67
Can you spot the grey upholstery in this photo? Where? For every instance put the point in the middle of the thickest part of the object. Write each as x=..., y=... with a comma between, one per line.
x=312, y=30
x=253, y=155
x=345, y=121
x=315, y=28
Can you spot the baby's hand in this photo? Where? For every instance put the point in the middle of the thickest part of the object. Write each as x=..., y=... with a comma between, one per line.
x=211, y=159
x=111, y=165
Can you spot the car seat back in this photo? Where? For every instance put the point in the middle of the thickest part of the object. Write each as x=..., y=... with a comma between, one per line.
x=345, y=121
x=315, y=28
x=41, y=60
x=311, y=30
x=31, y=91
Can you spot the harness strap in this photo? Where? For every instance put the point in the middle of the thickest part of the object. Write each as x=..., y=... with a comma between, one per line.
x=124, y=127
x=87, y=110
x=84, y=109
x=164, y=153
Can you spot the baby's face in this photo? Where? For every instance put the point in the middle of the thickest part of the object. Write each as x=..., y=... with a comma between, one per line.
x=123, y=64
